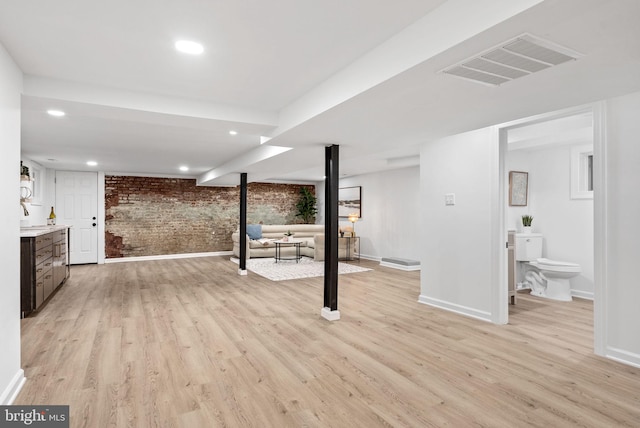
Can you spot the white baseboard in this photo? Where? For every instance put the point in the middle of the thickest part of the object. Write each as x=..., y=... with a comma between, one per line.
x=622, y=356
x=13, y=389
x=168, y=257
x=400, y=267
x=453, y=307
x=330, y=315
x=366, y=257
x=582, y=294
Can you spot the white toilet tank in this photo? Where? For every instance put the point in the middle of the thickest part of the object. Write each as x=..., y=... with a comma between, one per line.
x=528, y=246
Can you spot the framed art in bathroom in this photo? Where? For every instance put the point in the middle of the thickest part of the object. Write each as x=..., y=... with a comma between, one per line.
x=518, y=188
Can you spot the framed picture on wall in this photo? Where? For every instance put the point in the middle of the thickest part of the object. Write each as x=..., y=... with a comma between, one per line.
x=518, y=188
x=349, y=202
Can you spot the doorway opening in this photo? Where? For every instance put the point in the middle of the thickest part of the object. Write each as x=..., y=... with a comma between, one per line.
x=562, y=154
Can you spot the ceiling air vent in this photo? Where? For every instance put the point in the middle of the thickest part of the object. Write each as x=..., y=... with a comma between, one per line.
x=513, y=59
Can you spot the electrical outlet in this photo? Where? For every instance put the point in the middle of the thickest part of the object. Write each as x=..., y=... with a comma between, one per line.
x=450, y=199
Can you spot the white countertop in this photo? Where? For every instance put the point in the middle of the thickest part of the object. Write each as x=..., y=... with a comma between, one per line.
x=33, y=231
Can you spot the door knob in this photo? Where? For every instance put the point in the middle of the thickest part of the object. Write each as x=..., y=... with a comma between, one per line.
x=94, y=225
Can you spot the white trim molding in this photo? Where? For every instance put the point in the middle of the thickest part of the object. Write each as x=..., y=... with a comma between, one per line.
x=13, y=389
x=168, y=257
x=101, y=219
x=600, y=231
x=622, y=356
x=458, y=309
x=499, y=251
x=400, y=267
x=582, y=294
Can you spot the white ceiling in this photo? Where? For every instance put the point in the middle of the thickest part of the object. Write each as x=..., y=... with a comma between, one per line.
x=357, y=73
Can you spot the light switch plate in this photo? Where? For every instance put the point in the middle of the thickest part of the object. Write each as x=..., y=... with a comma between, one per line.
x=450, y=199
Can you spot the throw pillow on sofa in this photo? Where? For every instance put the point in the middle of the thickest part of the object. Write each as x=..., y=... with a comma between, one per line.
x=254, y=231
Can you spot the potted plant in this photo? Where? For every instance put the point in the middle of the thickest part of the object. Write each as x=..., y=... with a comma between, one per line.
x=526, y=223
x=306, y=206
x=288, y=236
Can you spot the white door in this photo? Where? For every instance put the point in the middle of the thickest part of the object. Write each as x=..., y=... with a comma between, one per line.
x=77, y=206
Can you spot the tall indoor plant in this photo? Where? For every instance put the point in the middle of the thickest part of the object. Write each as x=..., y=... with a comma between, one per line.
x=306, y=206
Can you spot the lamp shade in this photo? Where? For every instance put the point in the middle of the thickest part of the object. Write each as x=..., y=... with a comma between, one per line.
x=353, y=218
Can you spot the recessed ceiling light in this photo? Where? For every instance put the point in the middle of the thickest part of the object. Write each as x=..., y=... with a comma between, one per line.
x=233, y=132
x=56, y=113
x=92, y=163
x=184, y=168
x=189, y=47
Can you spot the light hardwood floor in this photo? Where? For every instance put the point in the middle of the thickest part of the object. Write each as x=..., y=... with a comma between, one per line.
x=189, y=343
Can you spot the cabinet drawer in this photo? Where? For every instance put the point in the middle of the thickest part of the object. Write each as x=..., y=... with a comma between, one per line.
x=47, y=279
x=44, y=241
x=40, y=242
x=43, y=267
x=59, y=236
x=43, y=254
x=39, y=292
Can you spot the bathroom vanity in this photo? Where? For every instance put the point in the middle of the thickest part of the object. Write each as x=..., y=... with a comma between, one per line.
x=44, y=264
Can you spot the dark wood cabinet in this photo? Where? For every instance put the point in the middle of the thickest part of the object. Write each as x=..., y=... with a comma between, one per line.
x=43, y=267
x=60, y=265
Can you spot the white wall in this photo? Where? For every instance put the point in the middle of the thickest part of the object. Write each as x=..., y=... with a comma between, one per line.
x=390, y=213
x=391, y=221
x=458, y=252
x=566, y=224
x=11, y=375
x=621, y=297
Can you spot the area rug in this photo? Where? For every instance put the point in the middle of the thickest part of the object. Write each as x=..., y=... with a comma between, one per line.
x=306, y=268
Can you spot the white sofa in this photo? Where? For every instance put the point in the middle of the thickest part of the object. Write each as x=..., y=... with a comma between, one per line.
x=270, y=233
x=311, y=235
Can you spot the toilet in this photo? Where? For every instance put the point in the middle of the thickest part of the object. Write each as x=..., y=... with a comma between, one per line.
x=546, y=278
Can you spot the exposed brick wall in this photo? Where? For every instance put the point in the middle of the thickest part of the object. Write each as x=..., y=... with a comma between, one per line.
x=155, y=216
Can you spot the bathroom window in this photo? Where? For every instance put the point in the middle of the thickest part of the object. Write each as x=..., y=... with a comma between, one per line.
x=582, y=172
